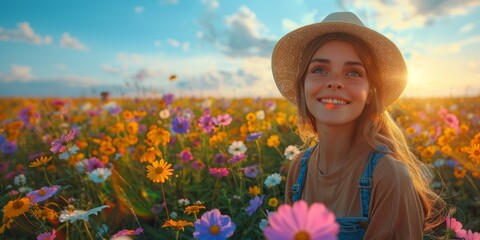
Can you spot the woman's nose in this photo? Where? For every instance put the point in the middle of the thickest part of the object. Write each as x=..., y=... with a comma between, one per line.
x=335, y=84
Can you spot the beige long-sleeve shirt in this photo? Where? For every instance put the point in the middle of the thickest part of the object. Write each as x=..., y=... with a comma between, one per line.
x=396, y=210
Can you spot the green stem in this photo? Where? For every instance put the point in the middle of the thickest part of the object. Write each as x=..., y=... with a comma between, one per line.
x=165, y=202
x=214, y=192
x=88, y=231
x=46, y=176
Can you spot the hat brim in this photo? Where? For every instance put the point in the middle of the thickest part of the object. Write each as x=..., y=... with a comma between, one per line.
x=288, y=52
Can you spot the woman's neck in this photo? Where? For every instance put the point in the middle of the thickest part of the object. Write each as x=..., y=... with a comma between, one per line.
x=336, y=145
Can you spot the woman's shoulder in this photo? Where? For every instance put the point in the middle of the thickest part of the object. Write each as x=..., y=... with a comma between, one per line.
x=391, y=170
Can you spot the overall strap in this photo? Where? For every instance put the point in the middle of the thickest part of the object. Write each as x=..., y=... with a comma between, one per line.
x=298, y=186
x=365, y=183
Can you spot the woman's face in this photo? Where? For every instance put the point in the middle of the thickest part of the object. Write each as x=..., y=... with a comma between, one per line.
x=336, y=84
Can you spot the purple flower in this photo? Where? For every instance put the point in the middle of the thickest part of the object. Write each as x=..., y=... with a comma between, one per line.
x=223, y=120
x=236, y=158
x=94, y=163
x=219, y=159
x=271, y=105
x=186, y=155
x=254, y=136
x=43, y=193
x=26, y=114
x=2, y=139
x=47, y=235
x=206, y=122
x=4, y=166
x=219, y=172
x=180, y=125
x=197, y=165
x=33, y=156
x=251, y=171
x=9, y=147
x=59, y=145
x=168, y=99
x=255, y=203
x=213, y=225
x=126, y=232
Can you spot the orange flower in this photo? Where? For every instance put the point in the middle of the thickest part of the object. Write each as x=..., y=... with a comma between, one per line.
x=158, y=172
x=474, y=152
x=159, y=136
x=16, y=207
x=40, y=161
x=127, y=115
x=149, y=155
x=254, y=190
x=193, y=209
x=177, y=225
x=273, y=141
x=132, y=128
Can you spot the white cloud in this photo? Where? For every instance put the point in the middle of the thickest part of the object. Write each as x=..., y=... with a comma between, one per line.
x=173, y=42
x=18, y=73
x=211, y=4
x=24, y=33
x=138, y=9
x=186, y=46
x=402, y=15
x=68, y=41
x=467, y=28
x=246, y=36
x=308, y=18
x=157, y=43
x=453, y=48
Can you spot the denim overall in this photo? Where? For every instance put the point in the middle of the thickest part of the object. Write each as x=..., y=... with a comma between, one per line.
x=350, y=227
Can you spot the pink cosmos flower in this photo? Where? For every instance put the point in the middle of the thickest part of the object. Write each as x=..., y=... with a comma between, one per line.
x=456, y=226
x=223, y=120
x=219, y=172
x=126, y=232
x=472, y=235
x=59, y=145
x=302, y=222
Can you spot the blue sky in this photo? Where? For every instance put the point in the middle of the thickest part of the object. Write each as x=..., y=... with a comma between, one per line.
x=215, y=48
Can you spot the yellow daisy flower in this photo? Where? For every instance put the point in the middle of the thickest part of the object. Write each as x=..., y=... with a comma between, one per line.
x=16, y=207
x=40, y=161
x=273, y=202
x=158, y=172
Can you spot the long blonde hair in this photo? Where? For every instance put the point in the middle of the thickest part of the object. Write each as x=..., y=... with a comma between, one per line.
x=375, y=125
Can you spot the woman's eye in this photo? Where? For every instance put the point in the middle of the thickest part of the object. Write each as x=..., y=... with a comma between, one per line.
x=319, y=70
x=354, y=74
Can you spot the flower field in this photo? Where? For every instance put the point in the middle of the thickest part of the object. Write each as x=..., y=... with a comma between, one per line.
x=186, y=168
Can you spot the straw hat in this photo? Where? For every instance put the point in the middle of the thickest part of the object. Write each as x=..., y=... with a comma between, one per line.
x=288, y=52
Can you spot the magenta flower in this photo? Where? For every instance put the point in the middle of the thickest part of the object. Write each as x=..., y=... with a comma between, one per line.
x=223, y=120
x=236, y=158
x=213, y=225
x=206, y=122
x=472, y=235
x=456, y=227
x=219, y=172
x=255, y=203
x=452, y=121
x=126, y=232
x=302, y=222
x=47, y=235
x=42, y=194
x=186, y=155
x=198, y=165
x=59, y=145
x=94, y=163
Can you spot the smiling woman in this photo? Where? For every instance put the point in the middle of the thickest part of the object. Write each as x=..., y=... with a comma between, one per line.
x=342, y=76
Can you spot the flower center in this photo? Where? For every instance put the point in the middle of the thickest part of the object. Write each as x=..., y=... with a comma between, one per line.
x=100, y=175
x=158, y=170
x=42, y=192
x=214, y=230
x=18, y=204
x=302, y=235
